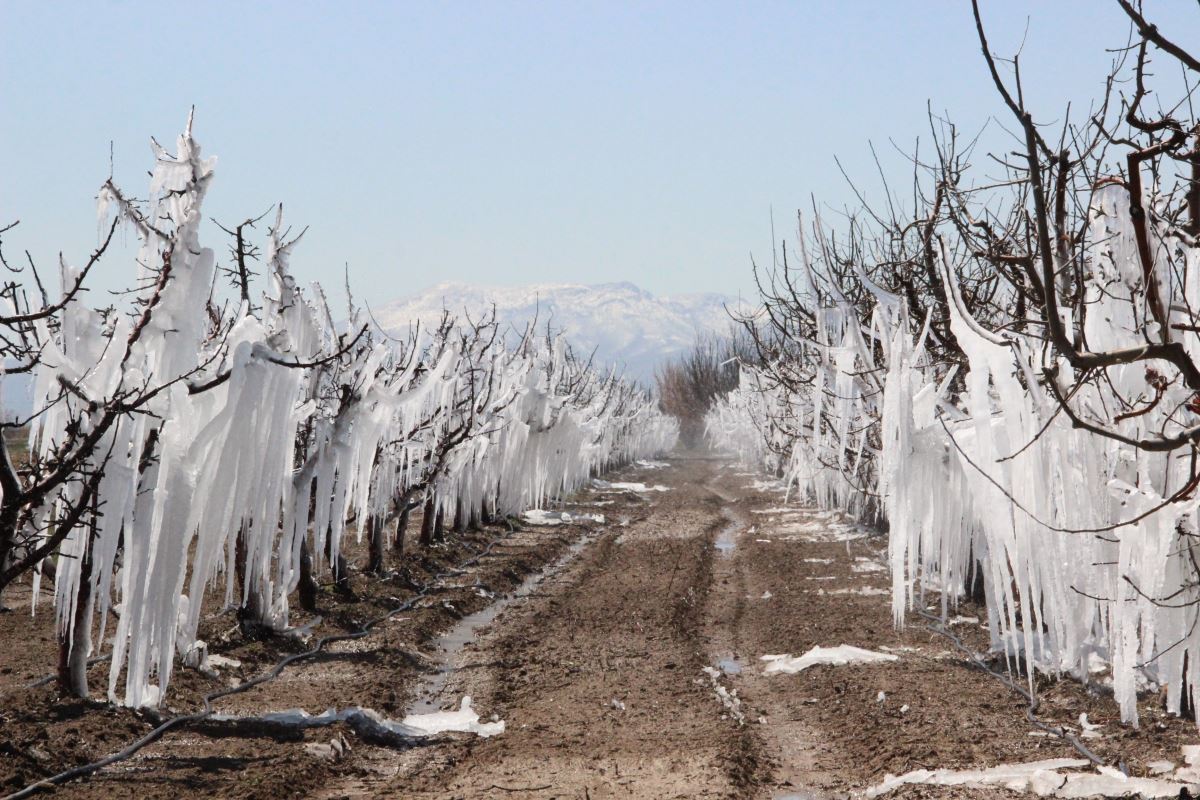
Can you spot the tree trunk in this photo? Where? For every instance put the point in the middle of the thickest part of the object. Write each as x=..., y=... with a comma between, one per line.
x=341, y=574
x=250, y=613
x=239, y=563
x=439, y=527
x=338, y=566
x=1187, y=702
x=308, y=587
x=376, y=534
x=428, y=519
x=75, y=645
x=8, y=540
x=978, y=589
x=460, y=517
x=3, y=586
x=402, y=527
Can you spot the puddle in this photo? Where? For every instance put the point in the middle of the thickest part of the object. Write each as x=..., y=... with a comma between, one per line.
x=449, y=647
x=730, y=665
x=726, y=541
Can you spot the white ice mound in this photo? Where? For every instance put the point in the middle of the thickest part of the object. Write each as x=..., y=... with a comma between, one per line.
x=465, y=720
x=834, y=656
x=540, y=516
x=370, y=722
x=609, y=486
x=1043, y=778
x=866, y=591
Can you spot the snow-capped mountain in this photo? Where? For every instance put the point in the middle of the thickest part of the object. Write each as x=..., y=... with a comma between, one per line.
x=626, y=325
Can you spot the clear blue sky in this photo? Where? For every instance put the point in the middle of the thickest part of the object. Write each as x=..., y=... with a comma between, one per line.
x=510, y=142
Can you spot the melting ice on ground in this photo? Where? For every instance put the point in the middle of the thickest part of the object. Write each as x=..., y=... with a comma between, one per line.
x=728, y=698
x=867, y=591
x=609, y=486
x=1047, y=778
x=540, y=516
x=414, y=726
x=465, y=720
x=834, y=656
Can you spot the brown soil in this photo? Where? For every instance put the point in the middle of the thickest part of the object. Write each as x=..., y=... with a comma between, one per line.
x=600, y=675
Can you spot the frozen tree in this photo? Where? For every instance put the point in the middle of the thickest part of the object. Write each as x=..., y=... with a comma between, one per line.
x=1006, y=371
x=208, y=434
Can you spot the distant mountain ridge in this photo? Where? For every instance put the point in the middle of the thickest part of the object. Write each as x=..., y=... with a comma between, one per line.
x=626, y=325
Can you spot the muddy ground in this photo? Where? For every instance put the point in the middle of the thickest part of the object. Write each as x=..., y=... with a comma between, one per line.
x=632, y=668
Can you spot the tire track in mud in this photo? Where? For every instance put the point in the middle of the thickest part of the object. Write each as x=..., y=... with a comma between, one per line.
x=750, y=765
x=778, y=757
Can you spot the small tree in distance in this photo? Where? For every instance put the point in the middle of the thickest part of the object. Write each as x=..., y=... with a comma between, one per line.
x=688, y=385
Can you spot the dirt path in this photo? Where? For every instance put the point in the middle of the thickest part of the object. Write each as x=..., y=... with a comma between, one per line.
x=599, y=676
x=632, y=667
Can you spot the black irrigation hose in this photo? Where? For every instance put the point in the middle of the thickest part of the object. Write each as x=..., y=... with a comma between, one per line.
x=186, y=719
x=1031, y=708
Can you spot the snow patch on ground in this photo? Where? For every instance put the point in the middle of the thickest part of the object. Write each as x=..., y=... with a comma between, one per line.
x=464, y=720
x=1090, y=730
x=869, y=591
x=729, y=699
x=819, y=531
x=1048, y=778
x=833, y=656
x=416, y=726
x=609, y=486
x=540, y=516
x=216, y=661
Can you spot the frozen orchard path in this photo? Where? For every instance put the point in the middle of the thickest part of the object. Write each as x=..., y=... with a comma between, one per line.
x=628, y=675
x=600, y=676
x=636, y=671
